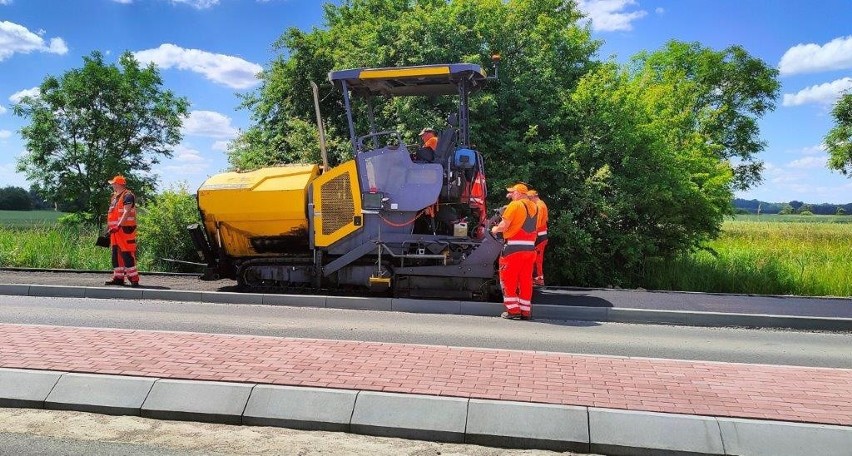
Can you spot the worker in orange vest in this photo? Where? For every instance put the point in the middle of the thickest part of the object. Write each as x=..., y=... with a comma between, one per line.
x=121, y=222
x=518, y=228
x=430, y=145
x=541, y=238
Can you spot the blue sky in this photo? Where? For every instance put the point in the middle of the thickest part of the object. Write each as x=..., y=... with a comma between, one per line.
x=209, y=51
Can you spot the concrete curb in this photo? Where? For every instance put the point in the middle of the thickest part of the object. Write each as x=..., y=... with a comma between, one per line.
x=541, y=311
x=450, y=419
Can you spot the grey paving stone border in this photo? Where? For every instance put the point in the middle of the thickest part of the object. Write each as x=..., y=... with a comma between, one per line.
x=24, y=388
x=627, y=432
x=107, y=394
x=413, y=416
x=485, y=422
x=541, y=311
x=214, y=402
x=300, y=408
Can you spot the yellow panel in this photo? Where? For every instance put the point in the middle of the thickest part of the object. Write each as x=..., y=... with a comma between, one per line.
x=269, y=202
x=337, y=200
x=404, y=72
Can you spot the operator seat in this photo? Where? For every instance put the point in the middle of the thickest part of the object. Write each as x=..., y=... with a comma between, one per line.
x=446, y=141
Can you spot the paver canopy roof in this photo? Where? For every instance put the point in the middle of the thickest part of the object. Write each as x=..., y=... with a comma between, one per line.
x=411, y=80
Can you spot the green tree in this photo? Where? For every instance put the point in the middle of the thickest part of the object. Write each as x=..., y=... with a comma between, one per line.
x=840, y=211
x=786, y=209
x=635, y=162
x=730, y=91
x=805, y=208
x=94, y=122
x=15, y=199
x=838, y=141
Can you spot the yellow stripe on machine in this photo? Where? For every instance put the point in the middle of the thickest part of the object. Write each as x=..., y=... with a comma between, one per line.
x=404, y=72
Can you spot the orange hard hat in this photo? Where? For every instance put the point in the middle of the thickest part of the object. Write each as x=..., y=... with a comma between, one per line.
x=119, y=179
x=532, y=193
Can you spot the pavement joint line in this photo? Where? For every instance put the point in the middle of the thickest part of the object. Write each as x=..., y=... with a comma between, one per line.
x=565, y=313
x=838, y=439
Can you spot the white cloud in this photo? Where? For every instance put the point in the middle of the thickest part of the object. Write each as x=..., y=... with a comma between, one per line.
x=219, y=68
x=198, y=4
x=826, y=93
x=16, y=38
x=2, y=110
x=220, y=146
x=186, y=154
x=610, y=15
x=809, y=162
x=209, y=123
x=5, y=2
x=5, y=134
x=810, y=58
x=18, y=96
x=814, y=150
x=123, y=2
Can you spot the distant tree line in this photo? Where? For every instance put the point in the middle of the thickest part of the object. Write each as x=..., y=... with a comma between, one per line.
x=18, y=199
x=792, y=207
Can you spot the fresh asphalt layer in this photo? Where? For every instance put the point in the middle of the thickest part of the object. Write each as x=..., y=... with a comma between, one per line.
x=689, y=309
x=581, y=428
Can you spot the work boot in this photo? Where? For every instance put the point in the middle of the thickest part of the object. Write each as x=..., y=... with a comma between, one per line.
x=510, y=316
x=134, y=284
x=526, y=317
x=118, y=282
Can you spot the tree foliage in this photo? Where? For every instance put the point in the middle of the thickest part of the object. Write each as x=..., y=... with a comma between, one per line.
x=730, y=90
x=635, y=162
x=94, y=122
x=15, y=199
x=838, y=141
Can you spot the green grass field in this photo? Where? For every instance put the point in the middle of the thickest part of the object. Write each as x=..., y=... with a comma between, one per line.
x=800, y=255
x=795, y=218
x=10, y=219
x=769, y=254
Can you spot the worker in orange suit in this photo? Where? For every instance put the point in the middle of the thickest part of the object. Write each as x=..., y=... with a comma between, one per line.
x=518, y=228
x=541, y=238
x=121, y=222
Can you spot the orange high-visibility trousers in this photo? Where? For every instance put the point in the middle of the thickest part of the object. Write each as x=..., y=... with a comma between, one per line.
x=538, y=270
x=517, y=282
x=124, y=256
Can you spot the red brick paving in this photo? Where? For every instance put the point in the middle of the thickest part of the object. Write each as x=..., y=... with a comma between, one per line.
x=814, y=395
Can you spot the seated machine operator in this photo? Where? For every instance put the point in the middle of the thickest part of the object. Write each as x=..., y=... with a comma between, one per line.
x=426, y=152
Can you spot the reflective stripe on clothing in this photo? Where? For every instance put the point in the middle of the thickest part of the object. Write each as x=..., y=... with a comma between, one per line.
x=117, y=204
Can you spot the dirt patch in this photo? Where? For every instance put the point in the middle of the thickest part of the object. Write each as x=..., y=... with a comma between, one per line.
x=223, y=439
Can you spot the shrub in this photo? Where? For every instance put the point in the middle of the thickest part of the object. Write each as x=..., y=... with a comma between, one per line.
x=75, y=220
x=162, y=230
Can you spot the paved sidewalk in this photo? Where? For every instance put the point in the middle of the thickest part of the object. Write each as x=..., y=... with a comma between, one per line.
x=781, y=393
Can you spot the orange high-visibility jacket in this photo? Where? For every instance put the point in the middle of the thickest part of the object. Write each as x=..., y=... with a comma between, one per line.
x=520, y=235
x=116, y=209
